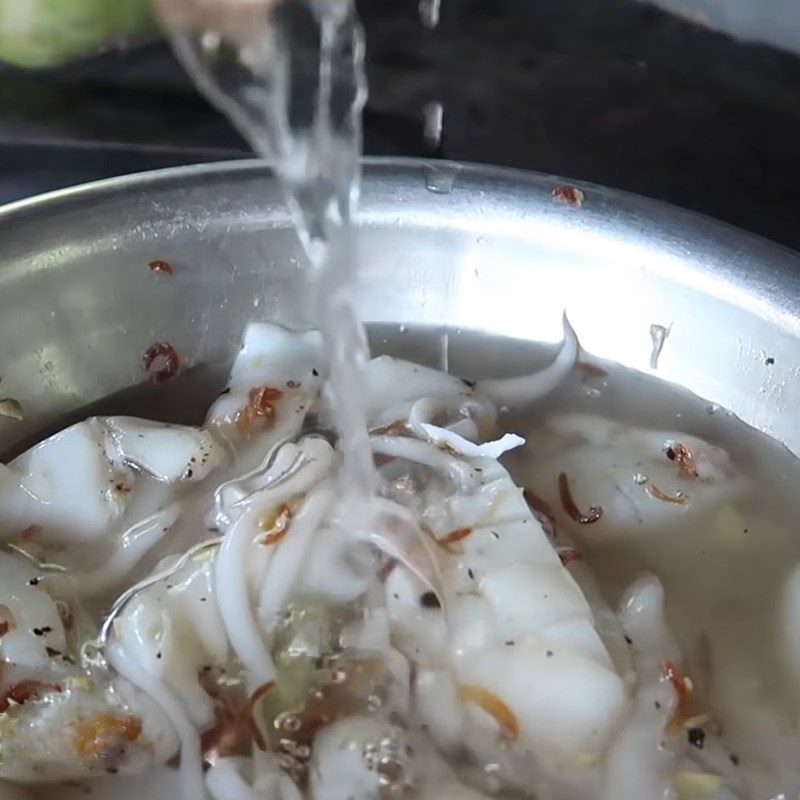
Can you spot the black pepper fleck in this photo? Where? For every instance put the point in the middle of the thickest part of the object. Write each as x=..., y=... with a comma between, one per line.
x=696, y=737
x=510, y=643
x=430, y=600
x=293, y=384
x=468, y=382
x=734, y=759
x=42, y=631
x=189, y=473
x=315, y=372
x=549, y=653
x=628, y=638
x=770, y=361
x=471, y=574
x=34, y=581
x=657, y=705
x=158, y=655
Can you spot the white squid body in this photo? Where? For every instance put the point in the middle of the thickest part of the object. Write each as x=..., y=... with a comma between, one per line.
x=514, y=626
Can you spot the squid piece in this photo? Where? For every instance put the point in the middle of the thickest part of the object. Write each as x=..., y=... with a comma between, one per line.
x=643, y=480
x=275, y=378
x=81, y=485
x=515, y=638
x=57, y=722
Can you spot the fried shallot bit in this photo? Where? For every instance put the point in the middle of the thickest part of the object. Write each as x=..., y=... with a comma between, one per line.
x=453, y=537
x=6, y=620
x=229, y=736
x=259, y=412
x=163, y=353
x=495, y=707
x=386, y=569
x=684, y=688
x=591, y=370
x=682, y=456
x=161, y=266
x=276, y=524
x=542, y=511
x=234, y=729
x=259, y=694
x=679, y=499
x=104, y=735
x=569, y=555
x=20, y=693
x=570, y=195
x=396, y=428
x=65, y=614
x=31, y=533
x=568, y=503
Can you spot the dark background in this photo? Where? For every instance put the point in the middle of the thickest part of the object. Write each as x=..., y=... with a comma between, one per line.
x=609, y=91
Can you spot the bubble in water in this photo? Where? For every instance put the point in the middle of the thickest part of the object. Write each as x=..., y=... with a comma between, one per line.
x=403, y=328
x=290, y=722
x=492, y=772
x=640, y=479
x=440, y=178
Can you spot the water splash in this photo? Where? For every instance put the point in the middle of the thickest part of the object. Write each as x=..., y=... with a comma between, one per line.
x=296, y=90
x=429, y=12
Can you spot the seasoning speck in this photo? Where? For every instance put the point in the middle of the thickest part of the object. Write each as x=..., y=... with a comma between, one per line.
x=696, y=737
x=161, y=266
x=430, y=600
x=569, y=195
x=734, y=759
x=769, y=361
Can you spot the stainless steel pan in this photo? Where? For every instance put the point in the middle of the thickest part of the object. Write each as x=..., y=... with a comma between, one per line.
x=463, y=246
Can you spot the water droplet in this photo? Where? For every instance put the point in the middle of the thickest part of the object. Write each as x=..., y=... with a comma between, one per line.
x=640, y=479
x=440, y=178
x=658, y=333
x=433, y=119
x=712, y=408
x=429, y=12
x=592, y=393
x=403, y=328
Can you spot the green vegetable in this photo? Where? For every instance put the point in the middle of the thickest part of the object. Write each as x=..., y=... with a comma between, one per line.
x=46, y=33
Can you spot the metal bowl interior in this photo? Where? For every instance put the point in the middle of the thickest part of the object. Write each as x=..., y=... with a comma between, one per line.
x=466, y=247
